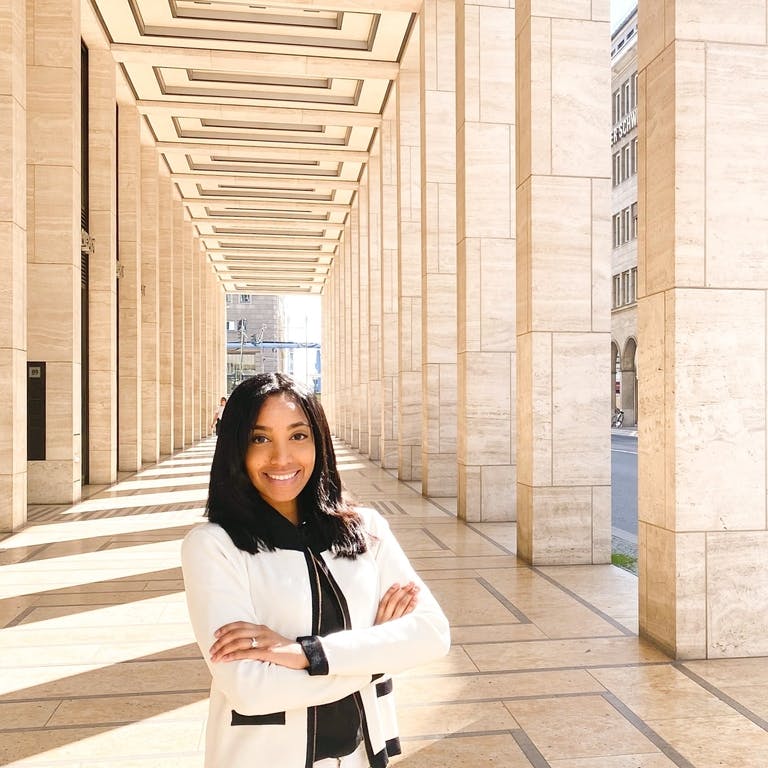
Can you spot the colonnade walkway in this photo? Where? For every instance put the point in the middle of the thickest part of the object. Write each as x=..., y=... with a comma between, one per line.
x=98, y=667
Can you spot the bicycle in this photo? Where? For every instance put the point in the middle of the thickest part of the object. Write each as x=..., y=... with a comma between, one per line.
x=618, y=417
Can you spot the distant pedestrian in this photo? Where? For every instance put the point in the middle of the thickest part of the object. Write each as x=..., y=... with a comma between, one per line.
x=218, y=413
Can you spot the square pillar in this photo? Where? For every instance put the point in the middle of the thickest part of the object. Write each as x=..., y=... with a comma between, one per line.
x=150, y=306
x=364, y=311
x=409, y=391
x=129, y=287
x=702, y=308
x=485, y=161
x=390, y=258
x=563, y=274
x=53, y=241
x=179, y=390
x=13, y=267
x=102, y=268
x=374, y=300
x=165, y=312
x=438, y=232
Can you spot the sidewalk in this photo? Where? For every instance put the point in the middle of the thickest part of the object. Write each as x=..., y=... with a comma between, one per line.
x=98, y=668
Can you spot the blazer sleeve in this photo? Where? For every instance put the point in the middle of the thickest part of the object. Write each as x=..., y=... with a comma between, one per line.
x=419, y=637
x=217, y=591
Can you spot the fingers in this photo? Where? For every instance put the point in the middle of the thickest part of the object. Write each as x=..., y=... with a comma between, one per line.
x=237, y=637
x=397, y=601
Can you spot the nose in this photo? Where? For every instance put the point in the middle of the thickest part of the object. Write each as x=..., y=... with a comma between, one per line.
x=281, y=453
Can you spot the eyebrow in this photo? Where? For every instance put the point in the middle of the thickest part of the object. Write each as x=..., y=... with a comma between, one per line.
x=290, y=426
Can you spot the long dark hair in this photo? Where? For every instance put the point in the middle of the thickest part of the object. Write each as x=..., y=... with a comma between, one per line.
x=233, y=502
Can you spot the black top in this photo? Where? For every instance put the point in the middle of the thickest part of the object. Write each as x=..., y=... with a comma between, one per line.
x=337, y=725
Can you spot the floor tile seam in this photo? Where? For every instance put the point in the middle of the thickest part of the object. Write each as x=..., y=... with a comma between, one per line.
x=89, y=696
x=502, y=699
x=546, y=638
x=495, y=543
x=602, y=614
x=101, y=725
x=508, y=604
x=529, y=670
x=443, y=546
x=722, y=696
x=521, y=738
x=655, y=738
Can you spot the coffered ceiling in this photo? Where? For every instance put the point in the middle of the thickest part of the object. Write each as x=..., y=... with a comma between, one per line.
x=264, y=115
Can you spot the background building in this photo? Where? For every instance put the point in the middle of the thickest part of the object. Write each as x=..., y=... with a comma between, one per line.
x=624, y=217
x=253, y=319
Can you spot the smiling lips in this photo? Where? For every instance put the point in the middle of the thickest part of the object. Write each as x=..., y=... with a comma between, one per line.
x=289, y=476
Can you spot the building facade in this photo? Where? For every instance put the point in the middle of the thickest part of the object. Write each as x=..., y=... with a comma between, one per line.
x=624, y=217
x=253, y=321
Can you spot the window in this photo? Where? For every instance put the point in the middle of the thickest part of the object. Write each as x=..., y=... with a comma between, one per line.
x=616, y=291
x=633, y=280
x=633, y=213
x=625, y=226
x=625, y=162
x=616, y=230
x=245, y=298
x=616, y=106
x=634, y=90
x=625, y=92
x=625, y=288
x=633, y=156
x=230, y=298
x=617, y=169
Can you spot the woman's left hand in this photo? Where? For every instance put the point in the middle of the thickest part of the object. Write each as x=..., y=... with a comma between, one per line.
x=243, y=640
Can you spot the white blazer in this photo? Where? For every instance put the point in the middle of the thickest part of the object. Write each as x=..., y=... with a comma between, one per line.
x=261, y=714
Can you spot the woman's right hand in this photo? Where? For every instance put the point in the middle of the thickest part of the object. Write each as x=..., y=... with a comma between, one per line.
x=396, y=602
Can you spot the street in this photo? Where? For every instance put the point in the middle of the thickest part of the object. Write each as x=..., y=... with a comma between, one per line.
x=624, y=494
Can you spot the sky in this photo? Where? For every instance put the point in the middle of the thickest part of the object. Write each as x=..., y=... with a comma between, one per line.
x=620, y=10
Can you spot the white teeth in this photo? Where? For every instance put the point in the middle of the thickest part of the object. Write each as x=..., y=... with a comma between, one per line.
x=282, y=477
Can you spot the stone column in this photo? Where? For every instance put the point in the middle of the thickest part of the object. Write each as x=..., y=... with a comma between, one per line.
x=390, y=256
x=166, y=308
x=346, y=318
x=703, y=299
x=563, y=274
x=409, y=267
x=353, y=310
x=150, y=306
x=438, y=203
x=189, y=245
x=53, y=241
x=129, y=287
x=197, y=340
x=179, y=389
x=363, y=270
x=374, y=300
x=485, y=223
x=202, y=348
x=13, y=267
x=342, y=404
x=102, y=280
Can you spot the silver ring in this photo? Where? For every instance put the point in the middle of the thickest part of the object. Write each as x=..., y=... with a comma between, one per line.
x=254, y=643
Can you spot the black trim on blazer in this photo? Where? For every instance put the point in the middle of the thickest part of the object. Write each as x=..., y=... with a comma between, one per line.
x=383, y=688
x=273, y=718
x=393, y=746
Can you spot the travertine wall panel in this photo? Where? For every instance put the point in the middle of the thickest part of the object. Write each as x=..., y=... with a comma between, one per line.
x=353, y=313
x=188, y=245
x=364, y=304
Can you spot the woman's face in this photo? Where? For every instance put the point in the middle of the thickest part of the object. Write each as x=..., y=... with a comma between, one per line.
x=281, y=454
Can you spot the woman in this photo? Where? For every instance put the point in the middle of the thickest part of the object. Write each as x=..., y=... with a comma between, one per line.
x=217, y=414
x=301, y=604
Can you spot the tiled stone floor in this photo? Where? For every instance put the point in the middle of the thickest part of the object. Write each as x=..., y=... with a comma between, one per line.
x=98, y=668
